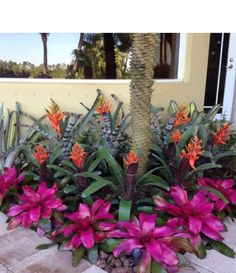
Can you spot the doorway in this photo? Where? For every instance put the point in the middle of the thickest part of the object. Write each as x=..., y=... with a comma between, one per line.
x=221, y=73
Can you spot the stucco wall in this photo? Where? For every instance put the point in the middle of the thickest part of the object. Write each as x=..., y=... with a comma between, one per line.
x=35, y=95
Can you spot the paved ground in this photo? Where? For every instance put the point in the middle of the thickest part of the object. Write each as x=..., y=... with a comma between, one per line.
x=18, y=255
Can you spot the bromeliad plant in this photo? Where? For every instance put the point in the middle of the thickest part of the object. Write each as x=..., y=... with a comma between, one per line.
x=76, y=183
x=191, y=144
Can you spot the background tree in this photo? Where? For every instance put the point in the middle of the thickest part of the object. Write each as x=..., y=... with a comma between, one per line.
x=141, y=68
x=44, y=37
x=110, y=56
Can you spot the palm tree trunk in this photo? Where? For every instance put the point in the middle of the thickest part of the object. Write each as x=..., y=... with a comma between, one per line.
x=110, y=56
x=44, y=37
x=76, y=61
x=142, y=63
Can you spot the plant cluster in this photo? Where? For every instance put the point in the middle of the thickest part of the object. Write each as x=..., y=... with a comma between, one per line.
x=76, y=182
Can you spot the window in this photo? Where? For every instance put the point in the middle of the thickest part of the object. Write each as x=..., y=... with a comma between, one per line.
x=80, y=55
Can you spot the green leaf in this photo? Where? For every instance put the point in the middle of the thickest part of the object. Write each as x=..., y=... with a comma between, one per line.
x=186, y=136
x=154, y=180
x=93, y=255
x=212, y=113
x=146, y=174
x=109, y=244
x=221, y=155
x=204, y=167
x=216, y=192
x=45, y=246
x=124, y=210
x=69, y=189
x=166, y=170
x=200, y=251
x=57, y=151
x=222, y=248
x=69, y=164
x=29, y=155
x=203, y=134
x=62, y=170
x=146, y=209
x=77, y=255
x=94, y=187
x=115, y=168
x=157, y=268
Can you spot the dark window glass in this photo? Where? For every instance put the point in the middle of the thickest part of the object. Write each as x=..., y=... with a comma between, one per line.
x=216, y=71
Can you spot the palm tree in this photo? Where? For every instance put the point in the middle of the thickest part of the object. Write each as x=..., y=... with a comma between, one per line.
x=44, y=37
x=76, y=52
x=141, y=67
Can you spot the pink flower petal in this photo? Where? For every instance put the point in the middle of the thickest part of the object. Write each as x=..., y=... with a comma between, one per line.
x=169, y=256
x=211, y=233
x=220, y=205
x=227, y=183
x=195, y=225
x=103, y=216
x=127, y=246
x=231, y=195
x=132, y=228
x=75, y=241
x=214, y=223
x=163, y=231
x=84, y=211
x=174, y=222
x=53, y=203
x=105, y=226
x=147, y=222
x=179, y=195
x=69, y=229
x=87, y=238
x=117, y=234
x=35, y=214
x=195, y=240
x=154, y=248
x=14, y=210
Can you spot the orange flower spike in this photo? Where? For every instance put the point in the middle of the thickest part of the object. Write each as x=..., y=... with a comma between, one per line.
x=78, y=155
x=55, y=117
x=103, y=107
x=131, y=158
x=222, y=134
x=41, y=154
x=176, y=136
x=181, y=116
x=194, y=149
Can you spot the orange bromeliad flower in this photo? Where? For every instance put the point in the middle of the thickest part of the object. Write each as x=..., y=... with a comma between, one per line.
x=222, y=134
x=194, y=149
x=55, y=117
x=131, y=158
x=176, y=136
x=181, y=116
x=103, y=107
x=78, y=155
x=41, y=154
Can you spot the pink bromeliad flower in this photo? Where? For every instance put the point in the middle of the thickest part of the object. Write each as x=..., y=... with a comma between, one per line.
x=158, y=243
x=223, y=186
x=86, y=227
x=9, y=180
x=35, y=205
x=194, y=215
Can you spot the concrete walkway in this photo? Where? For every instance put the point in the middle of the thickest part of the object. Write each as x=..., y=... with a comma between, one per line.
x=18, y=255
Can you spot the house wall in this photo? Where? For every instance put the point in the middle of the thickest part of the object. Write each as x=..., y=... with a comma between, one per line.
x=34, y=95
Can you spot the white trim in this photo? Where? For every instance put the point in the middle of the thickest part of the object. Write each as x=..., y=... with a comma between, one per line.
x=230, y=79
x=72, y=81
x=182, y=55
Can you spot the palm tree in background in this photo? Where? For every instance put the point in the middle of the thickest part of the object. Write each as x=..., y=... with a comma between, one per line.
x=73, y=68
x=44, y=37
x=141, y=67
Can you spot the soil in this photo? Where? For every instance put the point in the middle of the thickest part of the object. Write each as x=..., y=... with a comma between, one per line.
x=109, y=263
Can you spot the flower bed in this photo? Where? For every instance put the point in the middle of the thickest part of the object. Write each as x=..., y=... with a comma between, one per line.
x=77, y=182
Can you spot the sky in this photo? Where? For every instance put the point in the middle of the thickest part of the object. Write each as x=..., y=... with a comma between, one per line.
x=21, y=47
